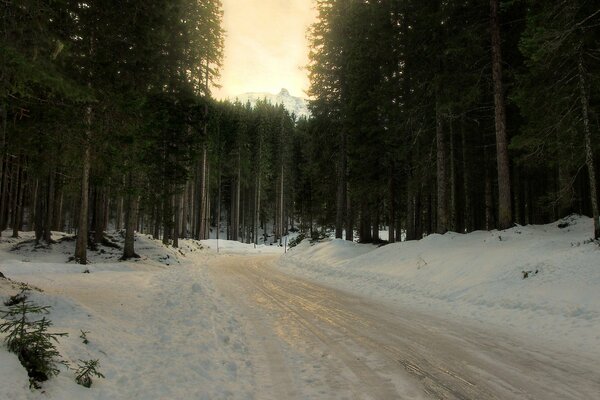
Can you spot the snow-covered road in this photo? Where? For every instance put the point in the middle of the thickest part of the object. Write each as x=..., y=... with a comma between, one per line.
x=310, y=341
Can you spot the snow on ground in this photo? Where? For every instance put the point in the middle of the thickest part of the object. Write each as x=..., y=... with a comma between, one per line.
x=158, y=325
x=479, y=276
x=232, y=247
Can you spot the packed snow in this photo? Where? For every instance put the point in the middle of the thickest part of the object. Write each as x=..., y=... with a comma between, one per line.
x=479, y=276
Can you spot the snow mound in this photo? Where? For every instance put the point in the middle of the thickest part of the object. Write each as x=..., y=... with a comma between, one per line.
x=539, y=280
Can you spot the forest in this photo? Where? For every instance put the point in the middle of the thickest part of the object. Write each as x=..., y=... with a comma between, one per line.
x=426, y=117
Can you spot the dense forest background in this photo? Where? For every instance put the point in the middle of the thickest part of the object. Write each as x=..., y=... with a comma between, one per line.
x=427, y=116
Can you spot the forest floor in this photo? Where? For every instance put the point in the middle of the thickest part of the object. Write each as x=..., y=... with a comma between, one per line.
x=447, y=317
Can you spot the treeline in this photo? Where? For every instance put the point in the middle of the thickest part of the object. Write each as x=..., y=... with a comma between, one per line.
x=443, y=115
x=427, y=116
x=105, y=107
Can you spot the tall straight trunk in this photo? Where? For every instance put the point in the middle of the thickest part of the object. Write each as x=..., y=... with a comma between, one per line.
x=17, y=209
x=3, y=167
x=349, y=217
x=411, y=233
x=391, y=210
x=453, y=189
x=442, y=175
x=208, y=204
x=130, y=221
x=489, y=195
x=184, y=210
x=119, y=216
x=341, y=189
x=167, y=217
x=468, y=202
x=589, y=155
x=4, y=194
x=49, y=207
x=99, y=217
x=12, y=197
x=39, y=212
x=219, y=205
x=58, y=223
x=82, y=226
x=238, y=183
x=203, y=196
x=176, y=219
x=505, y=218
x=257, y=210
x=281, y=212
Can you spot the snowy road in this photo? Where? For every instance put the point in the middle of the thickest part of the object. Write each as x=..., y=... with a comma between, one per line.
x=309, y=341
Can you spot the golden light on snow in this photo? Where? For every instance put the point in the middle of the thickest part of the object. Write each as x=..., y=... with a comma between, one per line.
x=265, y=46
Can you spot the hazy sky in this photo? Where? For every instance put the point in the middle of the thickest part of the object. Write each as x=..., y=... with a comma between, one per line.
x=265, y=46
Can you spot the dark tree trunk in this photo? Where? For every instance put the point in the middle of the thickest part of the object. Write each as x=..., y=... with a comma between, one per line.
x=18, y=207
x=130, y=221
x=505, y=218
x=39, y=212
x=442, y=175
x=82, y=226
x=489, y=196
x=391, y=210
x=349, y=217
x=49, y=208
x=341, y=188
x=469, y=224
x=177, y=216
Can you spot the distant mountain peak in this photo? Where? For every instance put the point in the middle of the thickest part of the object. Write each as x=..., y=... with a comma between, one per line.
x=295, y=105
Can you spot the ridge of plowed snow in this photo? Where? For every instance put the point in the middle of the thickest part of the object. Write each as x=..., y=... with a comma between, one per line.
x=478, y=276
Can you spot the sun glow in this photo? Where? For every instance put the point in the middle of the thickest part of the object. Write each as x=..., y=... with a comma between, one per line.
x=266, y=47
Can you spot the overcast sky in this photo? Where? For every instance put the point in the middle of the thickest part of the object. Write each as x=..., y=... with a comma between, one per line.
x=265, y=46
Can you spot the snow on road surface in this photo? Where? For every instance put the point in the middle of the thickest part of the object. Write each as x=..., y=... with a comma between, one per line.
x=448, y=317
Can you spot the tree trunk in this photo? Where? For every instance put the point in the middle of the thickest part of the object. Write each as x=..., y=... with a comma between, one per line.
x=453, y=226
x=489, y=196
x=442, y=175
x=281, y=213
x=130, y=220
x=202, y=213
x=468, y=203
x=411, y=233
x=391, y=210
x=49, y=208
x=349, y=217
x=82, y=226
x=4, y=194
x=589, y=155
x=505, y=218
x=3, y=167
x=257, y=209
x=17, y=210
x=341, y=189
x=176, y=219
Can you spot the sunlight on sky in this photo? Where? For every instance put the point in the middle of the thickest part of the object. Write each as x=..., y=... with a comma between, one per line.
x=265, y=46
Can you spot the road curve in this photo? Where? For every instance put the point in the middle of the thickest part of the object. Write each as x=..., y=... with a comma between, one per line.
x=366, y=350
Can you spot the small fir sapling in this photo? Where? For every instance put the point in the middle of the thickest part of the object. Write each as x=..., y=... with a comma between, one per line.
x=30, y=340
x=85, y=371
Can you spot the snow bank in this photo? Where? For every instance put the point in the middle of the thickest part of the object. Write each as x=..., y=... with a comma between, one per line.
x=158, y=325
x=479, y=276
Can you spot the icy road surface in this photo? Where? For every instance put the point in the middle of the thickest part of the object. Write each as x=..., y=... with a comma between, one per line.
x=310, y=341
